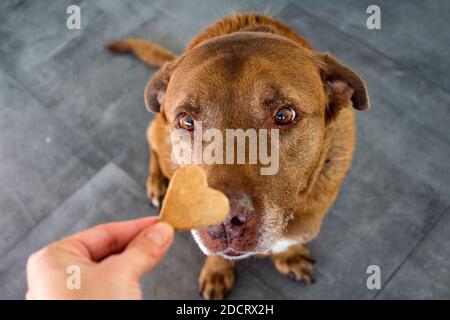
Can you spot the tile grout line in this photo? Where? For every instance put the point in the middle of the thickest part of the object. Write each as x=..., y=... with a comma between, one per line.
x=384, y=55
x=38, y=222
x=101, y=151
x=70, y=196
x=52, y=113
x=412, y=251
x=257, y=275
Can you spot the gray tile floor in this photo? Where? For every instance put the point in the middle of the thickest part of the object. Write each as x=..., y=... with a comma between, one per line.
x=73, y=150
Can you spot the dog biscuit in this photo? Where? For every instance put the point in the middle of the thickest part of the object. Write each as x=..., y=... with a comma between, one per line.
x=190, y=203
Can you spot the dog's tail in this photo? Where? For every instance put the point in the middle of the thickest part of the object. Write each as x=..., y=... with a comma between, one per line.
x=148, y=52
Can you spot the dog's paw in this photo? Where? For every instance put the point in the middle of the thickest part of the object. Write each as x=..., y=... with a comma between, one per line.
x=296, y=263
x=214, y=285
x=156, y=188
x=216, y=278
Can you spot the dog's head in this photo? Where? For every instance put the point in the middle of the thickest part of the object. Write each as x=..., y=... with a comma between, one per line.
x=256, y=80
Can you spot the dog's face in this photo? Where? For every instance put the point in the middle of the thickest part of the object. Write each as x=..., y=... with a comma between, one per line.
x=253, y=80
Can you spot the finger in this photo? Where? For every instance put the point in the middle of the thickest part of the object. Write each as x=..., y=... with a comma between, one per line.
x=106, y=239
x=143, y=252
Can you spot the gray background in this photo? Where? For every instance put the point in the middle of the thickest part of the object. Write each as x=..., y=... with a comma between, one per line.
x=73, y=151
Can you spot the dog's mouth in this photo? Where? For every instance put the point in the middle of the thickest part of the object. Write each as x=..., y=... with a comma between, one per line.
x=233, y=240
x=233, y=254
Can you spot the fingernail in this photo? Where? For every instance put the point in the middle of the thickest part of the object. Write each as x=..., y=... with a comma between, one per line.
x=160, y=233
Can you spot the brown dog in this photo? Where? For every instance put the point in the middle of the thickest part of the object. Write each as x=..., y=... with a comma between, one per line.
x=249, y=71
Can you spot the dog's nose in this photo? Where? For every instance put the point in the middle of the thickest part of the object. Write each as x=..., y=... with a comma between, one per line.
x=233, y=226
x=217, y=231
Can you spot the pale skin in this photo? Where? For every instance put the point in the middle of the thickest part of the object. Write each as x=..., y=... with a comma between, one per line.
x=112, y=258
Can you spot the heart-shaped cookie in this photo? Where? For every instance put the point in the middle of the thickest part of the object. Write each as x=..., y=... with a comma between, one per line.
x=189, y=202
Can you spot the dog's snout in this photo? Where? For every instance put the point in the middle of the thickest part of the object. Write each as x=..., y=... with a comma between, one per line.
x=241, y=208
x=217, y=231
x=238, y=220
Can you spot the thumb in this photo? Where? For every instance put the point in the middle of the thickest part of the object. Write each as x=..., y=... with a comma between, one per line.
x=145, y=251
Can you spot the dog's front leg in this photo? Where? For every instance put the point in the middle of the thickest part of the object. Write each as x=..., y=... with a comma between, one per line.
x=216, y=278
x=295, y=262
x=156, y=181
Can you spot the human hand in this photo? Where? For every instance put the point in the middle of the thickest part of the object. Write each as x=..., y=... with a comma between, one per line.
x=111, y=258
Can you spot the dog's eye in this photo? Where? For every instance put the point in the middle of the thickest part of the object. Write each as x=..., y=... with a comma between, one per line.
x=284, y=115
x=185, y=121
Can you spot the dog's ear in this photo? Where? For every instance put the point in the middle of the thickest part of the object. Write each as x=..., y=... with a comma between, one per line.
x=156, y=88
x=343, y=85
